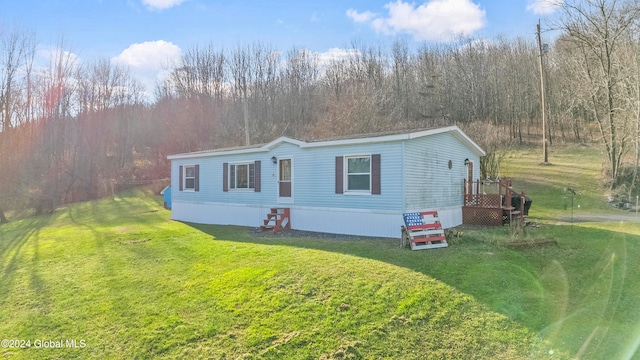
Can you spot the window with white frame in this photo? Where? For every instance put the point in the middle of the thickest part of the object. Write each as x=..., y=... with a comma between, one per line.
x=242, y=176
x=358, y=170
x=189, y=177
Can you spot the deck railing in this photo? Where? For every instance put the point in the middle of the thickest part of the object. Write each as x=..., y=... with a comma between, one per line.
x=494, y=204
x=483, y=200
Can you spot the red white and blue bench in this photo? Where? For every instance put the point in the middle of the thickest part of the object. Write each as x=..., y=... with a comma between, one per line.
x=423, y=230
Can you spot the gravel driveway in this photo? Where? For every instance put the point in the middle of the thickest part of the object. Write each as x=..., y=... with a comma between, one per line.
x=587, y=217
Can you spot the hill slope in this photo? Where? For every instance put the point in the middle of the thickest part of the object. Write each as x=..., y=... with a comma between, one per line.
x=128, y=282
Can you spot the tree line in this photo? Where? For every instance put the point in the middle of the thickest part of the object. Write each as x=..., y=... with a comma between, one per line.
x=76, y=131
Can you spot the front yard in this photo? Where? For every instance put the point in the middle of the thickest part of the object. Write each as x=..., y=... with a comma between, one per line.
x=124, y=281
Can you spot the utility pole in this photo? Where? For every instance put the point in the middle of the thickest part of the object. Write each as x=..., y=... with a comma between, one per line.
x=246, y=121
x=544, y=118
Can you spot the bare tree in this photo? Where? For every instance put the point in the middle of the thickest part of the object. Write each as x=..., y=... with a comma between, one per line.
x=264, y=92
x=300, y=77
x=596, y=30
x=17, y=49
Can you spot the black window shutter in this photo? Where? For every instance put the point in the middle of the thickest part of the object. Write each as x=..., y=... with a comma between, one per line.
x=339, y=175
x=225, y=177
x=375, y=174
x=196, y=185
x=256, y=176
x=181, y=186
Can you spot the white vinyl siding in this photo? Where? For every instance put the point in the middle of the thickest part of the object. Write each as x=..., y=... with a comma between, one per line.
x=430, y=184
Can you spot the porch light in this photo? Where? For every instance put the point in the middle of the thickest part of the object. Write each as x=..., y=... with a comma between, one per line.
x=466, y=162
x=274, y=160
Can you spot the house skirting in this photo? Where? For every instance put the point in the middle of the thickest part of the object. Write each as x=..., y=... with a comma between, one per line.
x=363, y=222
x=482, y=216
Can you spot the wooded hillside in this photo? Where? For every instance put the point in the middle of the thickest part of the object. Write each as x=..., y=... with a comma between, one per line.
x=75, y=131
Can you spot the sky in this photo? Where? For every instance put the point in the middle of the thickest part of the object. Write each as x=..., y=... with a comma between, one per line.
x=148, y=35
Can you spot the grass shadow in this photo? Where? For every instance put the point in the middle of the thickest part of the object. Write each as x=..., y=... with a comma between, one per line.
x=12, y=241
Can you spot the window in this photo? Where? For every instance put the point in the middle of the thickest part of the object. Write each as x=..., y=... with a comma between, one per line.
x=242, y=176
x=189, y=177
x=285, y=170
x=358, y=173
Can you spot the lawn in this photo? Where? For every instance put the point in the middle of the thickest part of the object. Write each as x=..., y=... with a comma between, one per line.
x=123, y=281
x=577, y=167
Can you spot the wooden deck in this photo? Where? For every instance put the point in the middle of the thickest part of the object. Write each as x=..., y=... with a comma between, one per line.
x=493, y=209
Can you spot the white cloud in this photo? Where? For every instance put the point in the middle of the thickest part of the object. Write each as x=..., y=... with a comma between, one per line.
x=544, y=7
x=161, y=4
x=360, y=17
x=434, y=20
x=49, y=56
x=332, y=56
x=151, y=55
x=51, y=59
x=149, y=61
x=335, y=54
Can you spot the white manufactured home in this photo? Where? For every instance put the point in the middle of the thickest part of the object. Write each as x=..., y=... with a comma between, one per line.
x=359, y=185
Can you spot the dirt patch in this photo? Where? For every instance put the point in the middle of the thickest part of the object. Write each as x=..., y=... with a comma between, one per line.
x=129, y=242
x=124, y=229
x=531, y=243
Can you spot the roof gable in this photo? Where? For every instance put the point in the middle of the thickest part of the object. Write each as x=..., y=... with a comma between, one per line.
x=281, y=140
x=239, y=150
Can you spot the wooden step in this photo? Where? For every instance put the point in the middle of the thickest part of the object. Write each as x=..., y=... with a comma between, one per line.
x=277, y=220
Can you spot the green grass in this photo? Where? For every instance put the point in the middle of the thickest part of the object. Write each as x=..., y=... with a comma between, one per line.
x=573, y=166
x=132, y=284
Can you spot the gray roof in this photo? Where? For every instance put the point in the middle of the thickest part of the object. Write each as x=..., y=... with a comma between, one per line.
x=394, y=135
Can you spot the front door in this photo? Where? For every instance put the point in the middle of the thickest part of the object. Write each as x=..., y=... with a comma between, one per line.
x=285, y=180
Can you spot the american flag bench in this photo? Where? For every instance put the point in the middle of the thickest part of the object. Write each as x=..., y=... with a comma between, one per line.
x=423, y=230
